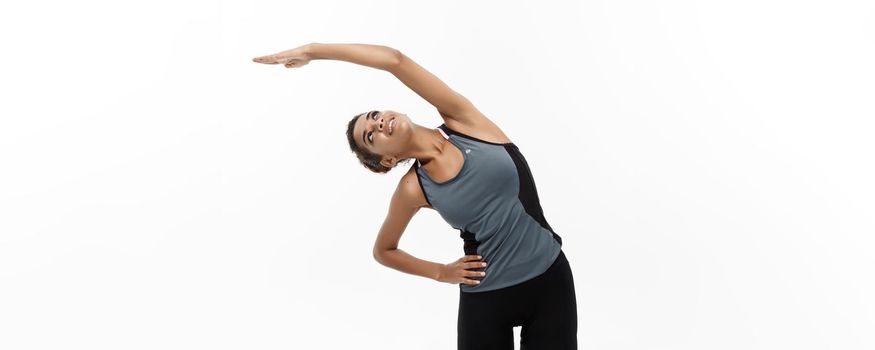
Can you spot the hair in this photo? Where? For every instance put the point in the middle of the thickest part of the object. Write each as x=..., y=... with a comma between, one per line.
x=367, y=158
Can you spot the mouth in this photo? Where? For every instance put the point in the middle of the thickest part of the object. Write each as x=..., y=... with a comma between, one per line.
x=391, y=126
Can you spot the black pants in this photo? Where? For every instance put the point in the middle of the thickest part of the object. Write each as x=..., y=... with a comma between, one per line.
x=545, y=307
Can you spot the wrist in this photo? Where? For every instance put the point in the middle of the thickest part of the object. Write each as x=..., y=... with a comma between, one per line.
x=310, y=50
x=438, y=271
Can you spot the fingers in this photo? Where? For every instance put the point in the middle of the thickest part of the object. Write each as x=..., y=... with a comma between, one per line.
x=469, y=262
x=474, y=265
x=475, y=273
x=269, y=59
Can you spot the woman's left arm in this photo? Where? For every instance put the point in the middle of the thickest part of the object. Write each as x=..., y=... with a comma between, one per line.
x=449, y=103
x=375, y=56
x=452, y=106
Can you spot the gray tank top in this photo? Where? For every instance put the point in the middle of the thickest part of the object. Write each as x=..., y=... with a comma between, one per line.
x=493, y=203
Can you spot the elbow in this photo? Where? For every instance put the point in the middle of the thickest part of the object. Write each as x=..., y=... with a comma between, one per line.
x=397, y=58
x=378, y=256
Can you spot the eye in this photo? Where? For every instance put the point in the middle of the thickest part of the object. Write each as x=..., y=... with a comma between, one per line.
x=370, y=134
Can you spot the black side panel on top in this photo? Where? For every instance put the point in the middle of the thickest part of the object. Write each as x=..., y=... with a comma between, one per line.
x=528, y=193
x=470, y=247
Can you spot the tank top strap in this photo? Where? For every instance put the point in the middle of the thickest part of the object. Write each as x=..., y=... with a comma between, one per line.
x=460, y=136
x=444, y=133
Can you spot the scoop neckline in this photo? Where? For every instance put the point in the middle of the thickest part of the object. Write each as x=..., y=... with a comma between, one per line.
x=461, y=169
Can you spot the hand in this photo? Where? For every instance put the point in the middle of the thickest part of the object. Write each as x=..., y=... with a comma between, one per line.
x=457, y=271
x=293, y=58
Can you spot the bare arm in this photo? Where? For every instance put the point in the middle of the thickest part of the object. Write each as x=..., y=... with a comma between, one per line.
x=449, y=103
x=403, y=206
x=456, y=110
x=453, y=107
x=406, y=202
x=375, y=56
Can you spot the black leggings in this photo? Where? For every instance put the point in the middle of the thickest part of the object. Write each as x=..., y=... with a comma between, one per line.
x=545, y=307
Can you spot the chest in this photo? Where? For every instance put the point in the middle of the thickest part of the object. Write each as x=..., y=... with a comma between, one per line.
x=488, y=179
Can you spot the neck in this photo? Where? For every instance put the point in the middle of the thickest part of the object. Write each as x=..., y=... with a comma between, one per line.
x=428, y=144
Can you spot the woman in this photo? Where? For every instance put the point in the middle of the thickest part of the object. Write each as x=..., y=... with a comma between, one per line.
x=514, y=272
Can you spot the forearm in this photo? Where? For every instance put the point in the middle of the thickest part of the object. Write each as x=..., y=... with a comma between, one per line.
x=376, y=56
x=401, y=261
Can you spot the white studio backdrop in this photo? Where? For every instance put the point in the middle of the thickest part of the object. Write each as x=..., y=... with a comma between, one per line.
x=708, y=164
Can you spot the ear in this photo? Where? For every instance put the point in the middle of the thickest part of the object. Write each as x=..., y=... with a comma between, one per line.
x=389, y=162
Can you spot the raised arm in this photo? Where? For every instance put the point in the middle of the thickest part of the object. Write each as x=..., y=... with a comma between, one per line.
x=449, y=103
x=375, y=56
x=456, y=110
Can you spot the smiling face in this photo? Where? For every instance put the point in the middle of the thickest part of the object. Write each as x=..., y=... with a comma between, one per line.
x=384, y=133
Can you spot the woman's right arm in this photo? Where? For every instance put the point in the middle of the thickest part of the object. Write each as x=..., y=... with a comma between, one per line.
x=405, y=203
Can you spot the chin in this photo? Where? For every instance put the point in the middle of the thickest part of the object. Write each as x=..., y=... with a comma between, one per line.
x=403, y=122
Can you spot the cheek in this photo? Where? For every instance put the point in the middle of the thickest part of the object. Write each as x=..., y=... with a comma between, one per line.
x=389, y=146
x=378, y=148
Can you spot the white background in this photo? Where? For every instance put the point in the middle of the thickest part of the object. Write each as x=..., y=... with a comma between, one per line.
x=709, y=166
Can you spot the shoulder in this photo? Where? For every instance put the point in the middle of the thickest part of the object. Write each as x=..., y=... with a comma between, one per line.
x=409, y=191
x=475, y=124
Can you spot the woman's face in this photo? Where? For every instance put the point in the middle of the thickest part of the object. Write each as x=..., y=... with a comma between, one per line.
x=372, y=132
